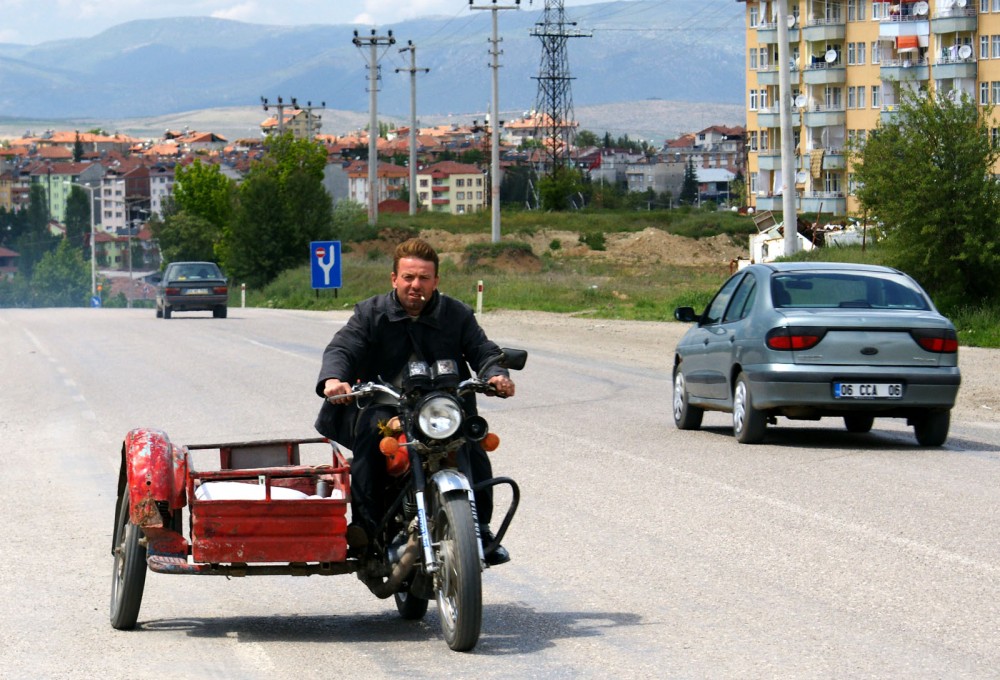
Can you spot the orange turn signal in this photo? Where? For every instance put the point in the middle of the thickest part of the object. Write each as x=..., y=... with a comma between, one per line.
x=388, y=445
x=490, y=442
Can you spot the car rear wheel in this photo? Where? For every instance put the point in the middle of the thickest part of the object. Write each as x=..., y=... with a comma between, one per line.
x=859, y=422
x=749, y=424
x=931, y=428
x=219, y=312
x=686, y=416
x=159, y=313
x=166, y=312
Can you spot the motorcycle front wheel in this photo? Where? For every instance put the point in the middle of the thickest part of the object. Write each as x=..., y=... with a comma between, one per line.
x=458, y=582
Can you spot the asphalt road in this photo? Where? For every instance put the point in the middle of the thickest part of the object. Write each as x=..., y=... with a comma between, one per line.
x=640, y=550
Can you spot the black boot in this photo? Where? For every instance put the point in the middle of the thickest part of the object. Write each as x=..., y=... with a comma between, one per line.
x=499, y=554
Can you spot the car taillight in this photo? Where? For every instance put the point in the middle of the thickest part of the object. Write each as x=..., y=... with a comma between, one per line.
x=938, y=340
x=172, y=291
x=221, y=290
x=793, y=338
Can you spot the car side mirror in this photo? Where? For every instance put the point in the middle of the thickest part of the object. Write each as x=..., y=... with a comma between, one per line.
x=685, y=314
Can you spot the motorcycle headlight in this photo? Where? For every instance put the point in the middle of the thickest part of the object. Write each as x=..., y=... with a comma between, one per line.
x=439, y=416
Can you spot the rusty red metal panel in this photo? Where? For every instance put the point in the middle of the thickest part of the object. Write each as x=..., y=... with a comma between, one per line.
x=304, y=530
x=156, y=472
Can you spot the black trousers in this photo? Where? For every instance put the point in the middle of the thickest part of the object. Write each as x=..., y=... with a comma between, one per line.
x=369, y=477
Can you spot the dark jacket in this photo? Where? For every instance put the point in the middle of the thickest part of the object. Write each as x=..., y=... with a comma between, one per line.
x=380, y=338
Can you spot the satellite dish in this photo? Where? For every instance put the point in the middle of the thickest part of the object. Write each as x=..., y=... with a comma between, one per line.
x=960, y=3
x=791, y=21
x=830, y=56
x=964, y=52
x=800, y=101
x=920, y=8
x=801, y=177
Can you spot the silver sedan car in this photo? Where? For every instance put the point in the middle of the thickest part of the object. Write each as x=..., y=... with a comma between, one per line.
x=809, y=340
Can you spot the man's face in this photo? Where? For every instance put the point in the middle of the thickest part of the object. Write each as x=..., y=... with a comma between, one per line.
x=414, y=281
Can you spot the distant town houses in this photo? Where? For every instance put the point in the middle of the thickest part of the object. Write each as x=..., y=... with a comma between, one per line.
x=128, y=181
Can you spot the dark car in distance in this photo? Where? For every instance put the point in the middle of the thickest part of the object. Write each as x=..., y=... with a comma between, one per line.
x=192, y=287
x=818, y=339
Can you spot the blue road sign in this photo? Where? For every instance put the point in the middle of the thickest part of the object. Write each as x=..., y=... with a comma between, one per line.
x=324, y=261
x=95, y=301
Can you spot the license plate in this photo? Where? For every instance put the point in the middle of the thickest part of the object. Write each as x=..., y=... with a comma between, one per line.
x=196, y=291
x=867, y=390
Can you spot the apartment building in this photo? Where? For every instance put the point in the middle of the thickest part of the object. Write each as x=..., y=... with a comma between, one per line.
x=851, y=62
x=451, y=187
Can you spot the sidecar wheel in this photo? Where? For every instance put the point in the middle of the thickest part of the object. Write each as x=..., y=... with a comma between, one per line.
x=129, y=576
x=458, y=582
x=411, y=607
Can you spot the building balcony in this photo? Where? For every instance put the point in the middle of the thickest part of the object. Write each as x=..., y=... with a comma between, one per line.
x=769, y=159
x=822, y=116
x=767, y=34
x=827, y=202
x=769, y=203
x=889, y=113
x=949, y=67
x=771, y=118
x=438, y=188
x=822, y=73
x=824, y=30
x=904, y=68
x=955, y=20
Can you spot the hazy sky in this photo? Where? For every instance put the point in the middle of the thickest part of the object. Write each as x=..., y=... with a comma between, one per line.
x=36, y=21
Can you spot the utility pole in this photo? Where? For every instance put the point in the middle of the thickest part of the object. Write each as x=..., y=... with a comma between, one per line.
x=281, y=105
x=787, y=135
x=495, y=117
x=308, y=108
x=373, y=41
x=412, y=49
x=554, y=107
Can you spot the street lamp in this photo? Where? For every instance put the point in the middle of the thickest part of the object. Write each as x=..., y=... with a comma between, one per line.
x=93, y=249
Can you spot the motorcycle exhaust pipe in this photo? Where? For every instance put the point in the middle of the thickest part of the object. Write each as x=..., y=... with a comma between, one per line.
x=383, y=589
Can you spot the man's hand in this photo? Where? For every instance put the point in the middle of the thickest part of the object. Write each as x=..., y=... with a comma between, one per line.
x=333, y=387
x=502, y=384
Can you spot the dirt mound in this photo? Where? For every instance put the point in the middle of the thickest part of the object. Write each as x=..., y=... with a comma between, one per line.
x=649, y=246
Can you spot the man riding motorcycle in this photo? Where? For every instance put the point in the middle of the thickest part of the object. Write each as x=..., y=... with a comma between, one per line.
x=413, y=321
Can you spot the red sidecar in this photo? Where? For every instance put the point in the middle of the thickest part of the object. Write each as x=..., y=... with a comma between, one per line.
x=251, y=509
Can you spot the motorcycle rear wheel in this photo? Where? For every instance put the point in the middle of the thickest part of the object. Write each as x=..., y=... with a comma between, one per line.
x=410, y=607
x=129, y=576
x=458, y=583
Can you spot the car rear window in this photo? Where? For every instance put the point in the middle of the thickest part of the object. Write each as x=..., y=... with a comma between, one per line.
x=196, y=271
x=862, y=290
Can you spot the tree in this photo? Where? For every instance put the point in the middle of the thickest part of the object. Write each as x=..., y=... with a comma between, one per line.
x=77, y=149
x=559, y=190
x=78, y=220
x=926, y=176
x=281, y=207
x=689, y=188
x=61, y=278
x=35, y=240
x=199, y=214
x=585, y=138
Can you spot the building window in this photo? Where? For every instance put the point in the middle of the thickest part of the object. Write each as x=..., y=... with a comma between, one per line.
x=880, y=10
x=984, y=47
x=763, y=59
x=852, y=184
x=831, y=182
x=995, y=46
x=753, y=140
x=876, y=52
x=753, y=100
x=753, y=58
x=996, y=6
x=984, y=6
x=984, y=94
x=851, y=99
x=876, y=96
x=861, y=53
x=861, y=96
x=754, y=16
x=753, y=183
x=850, y=54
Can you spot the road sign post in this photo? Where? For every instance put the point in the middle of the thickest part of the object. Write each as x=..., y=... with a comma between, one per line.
x=325, y=265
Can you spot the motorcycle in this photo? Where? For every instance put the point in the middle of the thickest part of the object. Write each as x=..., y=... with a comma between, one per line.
x=252, y=516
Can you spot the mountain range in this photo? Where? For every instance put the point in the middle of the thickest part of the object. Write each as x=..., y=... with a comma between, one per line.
x=659, y=67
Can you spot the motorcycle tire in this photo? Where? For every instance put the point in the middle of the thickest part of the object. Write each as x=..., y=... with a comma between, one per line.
x=129, y=575
x=410, y=607
x=458, y=583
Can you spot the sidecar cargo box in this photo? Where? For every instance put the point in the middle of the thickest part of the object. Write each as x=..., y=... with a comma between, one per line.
x=278, y=512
